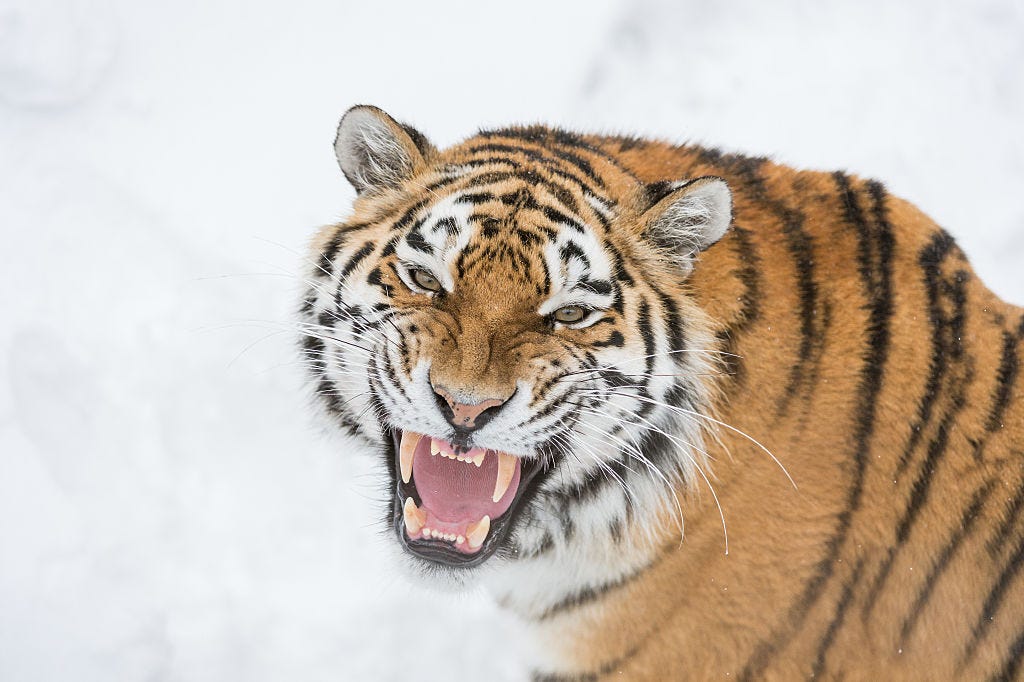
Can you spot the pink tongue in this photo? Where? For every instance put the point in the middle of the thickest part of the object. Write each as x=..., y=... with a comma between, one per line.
x=460, y=492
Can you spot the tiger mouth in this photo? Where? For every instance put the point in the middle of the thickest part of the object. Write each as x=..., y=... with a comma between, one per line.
x=453, y=505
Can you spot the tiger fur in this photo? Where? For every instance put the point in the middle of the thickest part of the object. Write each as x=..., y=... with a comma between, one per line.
x=751, y=323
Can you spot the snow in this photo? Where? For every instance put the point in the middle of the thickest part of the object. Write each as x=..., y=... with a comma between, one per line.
x=170, y=509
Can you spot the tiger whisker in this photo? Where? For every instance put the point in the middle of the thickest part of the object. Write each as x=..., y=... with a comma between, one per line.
x=717, y=422
x=685, y=447
x=603, y=466
x=634, y=451
x=706, y=351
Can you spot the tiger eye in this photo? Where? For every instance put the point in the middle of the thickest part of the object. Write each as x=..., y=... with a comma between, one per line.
x=425, y=280
x=570, y=314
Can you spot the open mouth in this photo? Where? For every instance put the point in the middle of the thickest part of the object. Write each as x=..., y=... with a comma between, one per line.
x=455, y=505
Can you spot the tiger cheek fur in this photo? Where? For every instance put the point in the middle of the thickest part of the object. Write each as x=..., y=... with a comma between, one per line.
x=566, y=346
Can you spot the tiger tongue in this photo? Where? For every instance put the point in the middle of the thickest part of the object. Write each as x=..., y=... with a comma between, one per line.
x=459, y=491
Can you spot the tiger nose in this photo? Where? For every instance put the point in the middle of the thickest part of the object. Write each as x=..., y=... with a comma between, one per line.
x=467, y=415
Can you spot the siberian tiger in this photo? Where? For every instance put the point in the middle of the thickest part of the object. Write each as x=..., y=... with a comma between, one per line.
x=565, y=346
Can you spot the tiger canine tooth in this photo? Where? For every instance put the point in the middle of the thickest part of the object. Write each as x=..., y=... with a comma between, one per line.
x=479, y=459
x=506, y=469
x=476, y=533
x=406, y=451
x=414, y=518
x=434, y=449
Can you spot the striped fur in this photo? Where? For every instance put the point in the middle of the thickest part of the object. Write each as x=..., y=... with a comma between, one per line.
x=834, y=324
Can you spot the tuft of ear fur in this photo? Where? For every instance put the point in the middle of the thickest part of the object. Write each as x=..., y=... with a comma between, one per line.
x=685, y=218
x=376, y=152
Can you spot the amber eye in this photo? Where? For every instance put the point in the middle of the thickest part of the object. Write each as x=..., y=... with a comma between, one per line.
x=425, y=280
x=570, y=314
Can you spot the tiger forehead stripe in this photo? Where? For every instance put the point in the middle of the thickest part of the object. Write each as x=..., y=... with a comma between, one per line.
x=535, y=209
x=568, y=162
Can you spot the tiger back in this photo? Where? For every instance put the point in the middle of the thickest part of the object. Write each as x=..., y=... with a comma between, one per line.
x=688, y=414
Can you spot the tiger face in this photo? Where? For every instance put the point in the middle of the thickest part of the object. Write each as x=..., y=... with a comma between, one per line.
x=507, y=324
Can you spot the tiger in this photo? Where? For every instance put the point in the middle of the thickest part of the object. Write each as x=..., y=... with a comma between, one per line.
x=684, y=413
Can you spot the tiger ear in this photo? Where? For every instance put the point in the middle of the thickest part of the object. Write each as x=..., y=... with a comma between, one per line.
x=685, y=218
x=377, y=152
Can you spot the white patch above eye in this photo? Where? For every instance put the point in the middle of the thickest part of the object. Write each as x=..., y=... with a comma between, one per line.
x=569, y=273
x=444, y=245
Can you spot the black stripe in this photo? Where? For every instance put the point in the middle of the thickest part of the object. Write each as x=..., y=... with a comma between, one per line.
x=357, y=258
x=564, y=197
x=937, y=449
x=581, y=163
x=593, y=483
x=1012, y=664
x=313, y=350
x=801, y=250
x=326, y=319
x=621, y=272
x=566, y=518
x=643, y=325
x=556, y=216
x=546, y=544
x=408, y=216
x=326, y=265
x=378, y=384
x=837, y=620
x=599, y=286
x=998, y=539
x=520, y=199
x=963, y=529
x=582, y=185
x=659, y=450
x=448, y=224
x=930, y=259
x=492, y=178
x=529, y=239
x=549, y=137
x=376, y=278
x=536, y=155
x=389, y=378
x=675, y=324
x=485, y=178
x=1005, y=378
x=995, y=597
x=874, y=253
x=749, y=276
x=475, y=198
x=416, y=240
x=588, y=595
x=571, y=250
x=615, y=339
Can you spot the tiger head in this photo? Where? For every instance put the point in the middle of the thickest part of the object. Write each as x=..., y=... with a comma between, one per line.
x=507, y=322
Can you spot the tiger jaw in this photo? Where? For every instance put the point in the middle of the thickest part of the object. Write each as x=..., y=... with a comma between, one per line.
x=455, y=506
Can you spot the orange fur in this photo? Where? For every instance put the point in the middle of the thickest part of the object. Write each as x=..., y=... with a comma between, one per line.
x=786, y=602
x=865, y=355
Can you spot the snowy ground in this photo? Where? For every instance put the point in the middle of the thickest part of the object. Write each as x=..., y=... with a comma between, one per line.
x=168, y=510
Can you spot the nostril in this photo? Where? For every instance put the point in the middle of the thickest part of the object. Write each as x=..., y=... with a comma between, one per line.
x=466, y=415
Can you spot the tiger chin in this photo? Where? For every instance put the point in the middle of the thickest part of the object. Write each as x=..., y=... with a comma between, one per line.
x=688, y=414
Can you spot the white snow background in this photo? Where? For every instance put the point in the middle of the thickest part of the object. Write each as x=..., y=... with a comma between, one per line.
x=168, y=508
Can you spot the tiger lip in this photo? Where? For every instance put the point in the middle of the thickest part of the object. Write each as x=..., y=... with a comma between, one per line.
x=454, y=505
